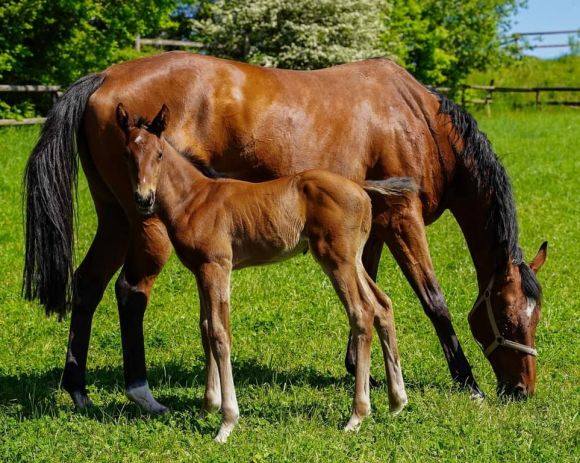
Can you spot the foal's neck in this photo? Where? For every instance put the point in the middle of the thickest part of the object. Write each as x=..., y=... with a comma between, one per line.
x=179, y=183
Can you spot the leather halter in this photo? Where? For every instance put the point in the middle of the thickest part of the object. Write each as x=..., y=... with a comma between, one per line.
x=499, y=339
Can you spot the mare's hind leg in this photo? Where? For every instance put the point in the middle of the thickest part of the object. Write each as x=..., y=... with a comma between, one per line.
x=404, y=233
x=385, y=326
x=104, y=258
x=371, y=258
x=148, y=252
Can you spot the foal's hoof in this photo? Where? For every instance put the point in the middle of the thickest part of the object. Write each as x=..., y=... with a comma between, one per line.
x=353, y=424
x=224, y=433
x=398, y=406
x=142, y=396
x=81, y=399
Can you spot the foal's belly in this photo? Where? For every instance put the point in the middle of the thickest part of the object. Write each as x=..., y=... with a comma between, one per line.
x=251, y=254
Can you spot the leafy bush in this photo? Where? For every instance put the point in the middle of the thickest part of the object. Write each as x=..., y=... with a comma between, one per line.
x=302, y=34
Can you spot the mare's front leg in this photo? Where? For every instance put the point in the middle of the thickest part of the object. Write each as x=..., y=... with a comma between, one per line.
x=148, y=252
x=403, y=230
x=214, y=285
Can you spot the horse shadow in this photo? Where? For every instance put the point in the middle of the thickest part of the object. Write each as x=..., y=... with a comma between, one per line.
x=33, y=395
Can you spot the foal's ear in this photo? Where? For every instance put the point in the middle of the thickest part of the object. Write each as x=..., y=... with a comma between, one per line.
x=540, y=258
x=122, y=117
x=160, y=122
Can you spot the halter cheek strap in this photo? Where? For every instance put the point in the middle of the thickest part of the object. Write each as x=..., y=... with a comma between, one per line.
x=499, y=339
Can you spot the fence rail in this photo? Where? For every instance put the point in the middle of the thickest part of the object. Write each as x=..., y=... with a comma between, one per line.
x=165, y=43
x=54, y=91
x=491, y=89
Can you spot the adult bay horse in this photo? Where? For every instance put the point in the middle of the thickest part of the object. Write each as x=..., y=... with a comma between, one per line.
x=365, y=120
x=217, y=225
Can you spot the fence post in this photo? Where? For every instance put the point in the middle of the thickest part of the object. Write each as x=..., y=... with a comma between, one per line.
x=537, y=98
x=489, y=97
x=138, y=42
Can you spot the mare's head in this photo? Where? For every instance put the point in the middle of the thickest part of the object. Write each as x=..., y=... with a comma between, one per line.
x=504, y=321
x=144, y=145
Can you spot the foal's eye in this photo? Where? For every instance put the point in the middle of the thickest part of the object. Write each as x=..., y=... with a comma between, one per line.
x=160, y=155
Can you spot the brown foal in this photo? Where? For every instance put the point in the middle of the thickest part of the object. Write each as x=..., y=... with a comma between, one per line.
x=217, y=225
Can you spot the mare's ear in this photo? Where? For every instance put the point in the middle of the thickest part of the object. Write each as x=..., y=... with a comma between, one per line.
x=122, y=117
x=160, y=122
x=540, y=258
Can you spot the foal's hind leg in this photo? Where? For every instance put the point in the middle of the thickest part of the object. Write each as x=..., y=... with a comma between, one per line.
x=371, y=258
x=148, y=252
x=385, y=326
x=105, y=256
x=339, y=263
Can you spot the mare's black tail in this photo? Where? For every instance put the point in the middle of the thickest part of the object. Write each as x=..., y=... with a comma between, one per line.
x=49, y=190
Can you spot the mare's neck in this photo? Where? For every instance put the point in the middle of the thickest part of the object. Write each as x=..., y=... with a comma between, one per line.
x=471, y=210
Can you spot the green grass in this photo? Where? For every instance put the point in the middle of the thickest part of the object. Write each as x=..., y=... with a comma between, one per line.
x=289, y=339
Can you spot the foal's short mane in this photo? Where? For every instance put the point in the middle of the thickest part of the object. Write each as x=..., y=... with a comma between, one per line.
x=492, y=180
x=201, y=165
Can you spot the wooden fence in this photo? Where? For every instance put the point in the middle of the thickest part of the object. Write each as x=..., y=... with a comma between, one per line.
x=490, y=89
x=53, y=90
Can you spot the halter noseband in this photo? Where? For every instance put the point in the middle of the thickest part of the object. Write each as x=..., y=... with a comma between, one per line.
x=499, y=339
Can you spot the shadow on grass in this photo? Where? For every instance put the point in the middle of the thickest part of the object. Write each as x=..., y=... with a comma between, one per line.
x=32, y=395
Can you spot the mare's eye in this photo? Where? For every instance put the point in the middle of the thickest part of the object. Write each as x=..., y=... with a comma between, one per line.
x=160, y=155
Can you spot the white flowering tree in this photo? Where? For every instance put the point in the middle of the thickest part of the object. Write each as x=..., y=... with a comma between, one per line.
x=297, y=34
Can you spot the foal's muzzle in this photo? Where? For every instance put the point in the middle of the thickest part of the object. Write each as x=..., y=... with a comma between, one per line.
x=145, y=203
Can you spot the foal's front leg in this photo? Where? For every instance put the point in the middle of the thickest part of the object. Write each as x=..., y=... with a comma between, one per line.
x=214, y=284
x=212, y=400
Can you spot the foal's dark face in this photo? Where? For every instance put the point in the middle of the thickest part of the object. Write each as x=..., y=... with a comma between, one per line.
x=144, y=155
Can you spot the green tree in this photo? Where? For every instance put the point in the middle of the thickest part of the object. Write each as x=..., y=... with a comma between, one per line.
x=57, y=41
x=442, y=41
x=299, y=34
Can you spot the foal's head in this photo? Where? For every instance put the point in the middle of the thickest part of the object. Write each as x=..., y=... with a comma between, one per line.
x=144, y=153
x=504, y=322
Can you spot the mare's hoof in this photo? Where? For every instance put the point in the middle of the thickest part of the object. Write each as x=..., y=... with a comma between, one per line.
x=81, y=399
x=142, y=396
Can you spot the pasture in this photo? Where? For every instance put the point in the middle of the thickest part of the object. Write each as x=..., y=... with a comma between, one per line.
x=289, y=333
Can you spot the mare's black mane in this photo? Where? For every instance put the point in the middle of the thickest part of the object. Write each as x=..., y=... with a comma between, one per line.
x=491, y=179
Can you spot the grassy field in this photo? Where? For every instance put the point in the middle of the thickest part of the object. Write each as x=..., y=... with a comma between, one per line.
x=289, y=339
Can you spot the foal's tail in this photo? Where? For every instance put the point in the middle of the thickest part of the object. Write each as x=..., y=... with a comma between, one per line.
x=394, y=186
x=49, y=189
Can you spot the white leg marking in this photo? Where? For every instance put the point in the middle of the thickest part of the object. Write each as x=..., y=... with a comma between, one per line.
x=142, y=396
